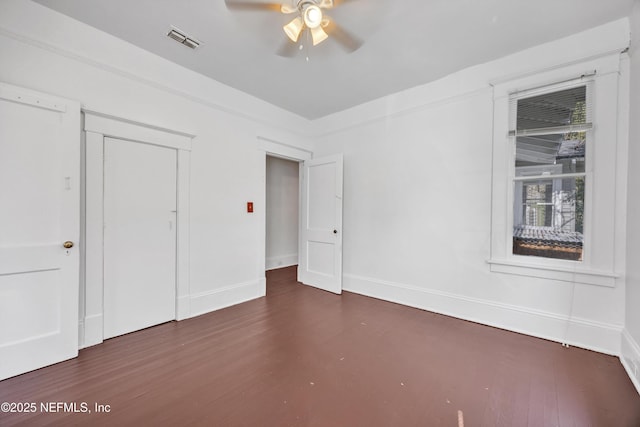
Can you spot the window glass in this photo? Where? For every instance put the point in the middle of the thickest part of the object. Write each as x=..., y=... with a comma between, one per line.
x=553, y=109
x=548, y=211
x=567, y=150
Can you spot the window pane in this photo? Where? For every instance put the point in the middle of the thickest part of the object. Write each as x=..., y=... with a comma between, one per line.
x=548, y=218
x=555, y=154
x=561, y=108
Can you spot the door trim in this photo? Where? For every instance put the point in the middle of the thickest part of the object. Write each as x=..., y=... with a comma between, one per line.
x=270, y=147
x=96, y=127
x=283, y=150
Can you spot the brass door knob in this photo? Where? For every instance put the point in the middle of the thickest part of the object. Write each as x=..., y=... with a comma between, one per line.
x=68, y=244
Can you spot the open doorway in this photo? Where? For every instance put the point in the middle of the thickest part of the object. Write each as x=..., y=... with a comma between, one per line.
x=282, y=213
x=319, y=219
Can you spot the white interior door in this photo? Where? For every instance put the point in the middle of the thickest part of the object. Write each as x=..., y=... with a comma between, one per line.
x=321, y=242
x=139, y=236
x=40, y=199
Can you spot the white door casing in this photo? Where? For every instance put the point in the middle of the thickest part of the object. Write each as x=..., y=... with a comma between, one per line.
x=139, y=236
x=282, y=150
x=40, y=197
x=99, y=128
x=321, y=228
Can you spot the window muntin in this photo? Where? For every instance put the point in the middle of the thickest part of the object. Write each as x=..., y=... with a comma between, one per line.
x=550, y=134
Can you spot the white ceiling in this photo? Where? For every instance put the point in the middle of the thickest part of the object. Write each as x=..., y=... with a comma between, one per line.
x=407, y=42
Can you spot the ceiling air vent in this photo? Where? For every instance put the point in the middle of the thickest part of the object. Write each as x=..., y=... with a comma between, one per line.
x=183, y=38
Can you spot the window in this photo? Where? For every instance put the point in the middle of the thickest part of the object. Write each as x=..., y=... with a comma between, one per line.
x=550, y=132
x=558, y=190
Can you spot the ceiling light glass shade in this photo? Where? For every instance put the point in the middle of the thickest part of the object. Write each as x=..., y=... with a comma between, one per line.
x=318, y=35
x=294, y=28
x=312, y=16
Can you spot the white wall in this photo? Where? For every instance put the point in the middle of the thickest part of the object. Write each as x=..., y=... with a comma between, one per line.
x=417, y=202
x=282, y=212
x=417, y=176
x=51, y=53
x=631, y=338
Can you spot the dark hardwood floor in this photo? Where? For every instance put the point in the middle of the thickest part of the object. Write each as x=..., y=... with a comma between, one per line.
x=304, y=357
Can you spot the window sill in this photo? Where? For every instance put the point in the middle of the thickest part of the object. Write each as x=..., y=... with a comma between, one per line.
x=577, y=275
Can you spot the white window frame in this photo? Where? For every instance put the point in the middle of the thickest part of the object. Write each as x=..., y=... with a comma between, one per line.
x=517, y=181
x=598, y=264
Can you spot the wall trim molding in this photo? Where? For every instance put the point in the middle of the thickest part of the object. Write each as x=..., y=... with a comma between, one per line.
x=146, y=81
x=578, y=332
x=541, y=70
x=385, y=115
x=283, y=150
x=205, y=302
x=262, y=286
x=630, y=358
x=281, y=261
x=32, y=98
x=553, y=272
x=183, y=248
x=119, y=127
x=92, y=328
x=183, y=307
x=478, y=90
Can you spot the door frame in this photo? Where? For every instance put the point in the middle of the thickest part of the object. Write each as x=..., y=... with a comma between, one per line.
x=96, y=127
x=270, y=147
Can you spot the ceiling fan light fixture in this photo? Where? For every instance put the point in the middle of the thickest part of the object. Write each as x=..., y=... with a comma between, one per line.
x=312, y=16
x=318, y=35
x=294, y=28
x=287, y=8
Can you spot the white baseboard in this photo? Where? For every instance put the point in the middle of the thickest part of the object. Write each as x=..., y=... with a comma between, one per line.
x=271, y=263
x=91, y=328
x=206, y=302
x=597, y=336
x=630, y=358
x=93, y=331
x=183, y=307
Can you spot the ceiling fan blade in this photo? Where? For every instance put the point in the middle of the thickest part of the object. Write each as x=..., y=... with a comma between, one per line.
x=248, y=5
x=287, y=8
x=326, y=4
x=287, y=49
x=348, y=41
x=339, y=2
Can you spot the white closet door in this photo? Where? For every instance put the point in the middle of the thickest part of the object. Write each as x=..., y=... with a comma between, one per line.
x=40, y=211
x=139, y=236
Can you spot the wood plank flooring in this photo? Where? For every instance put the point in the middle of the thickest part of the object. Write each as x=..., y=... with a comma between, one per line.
x=304, y=357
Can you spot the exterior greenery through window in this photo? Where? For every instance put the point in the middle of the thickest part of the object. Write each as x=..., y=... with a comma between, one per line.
x=550, y=133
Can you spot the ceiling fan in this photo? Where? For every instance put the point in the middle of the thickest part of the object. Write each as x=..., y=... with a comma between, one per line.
x=310, y=17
